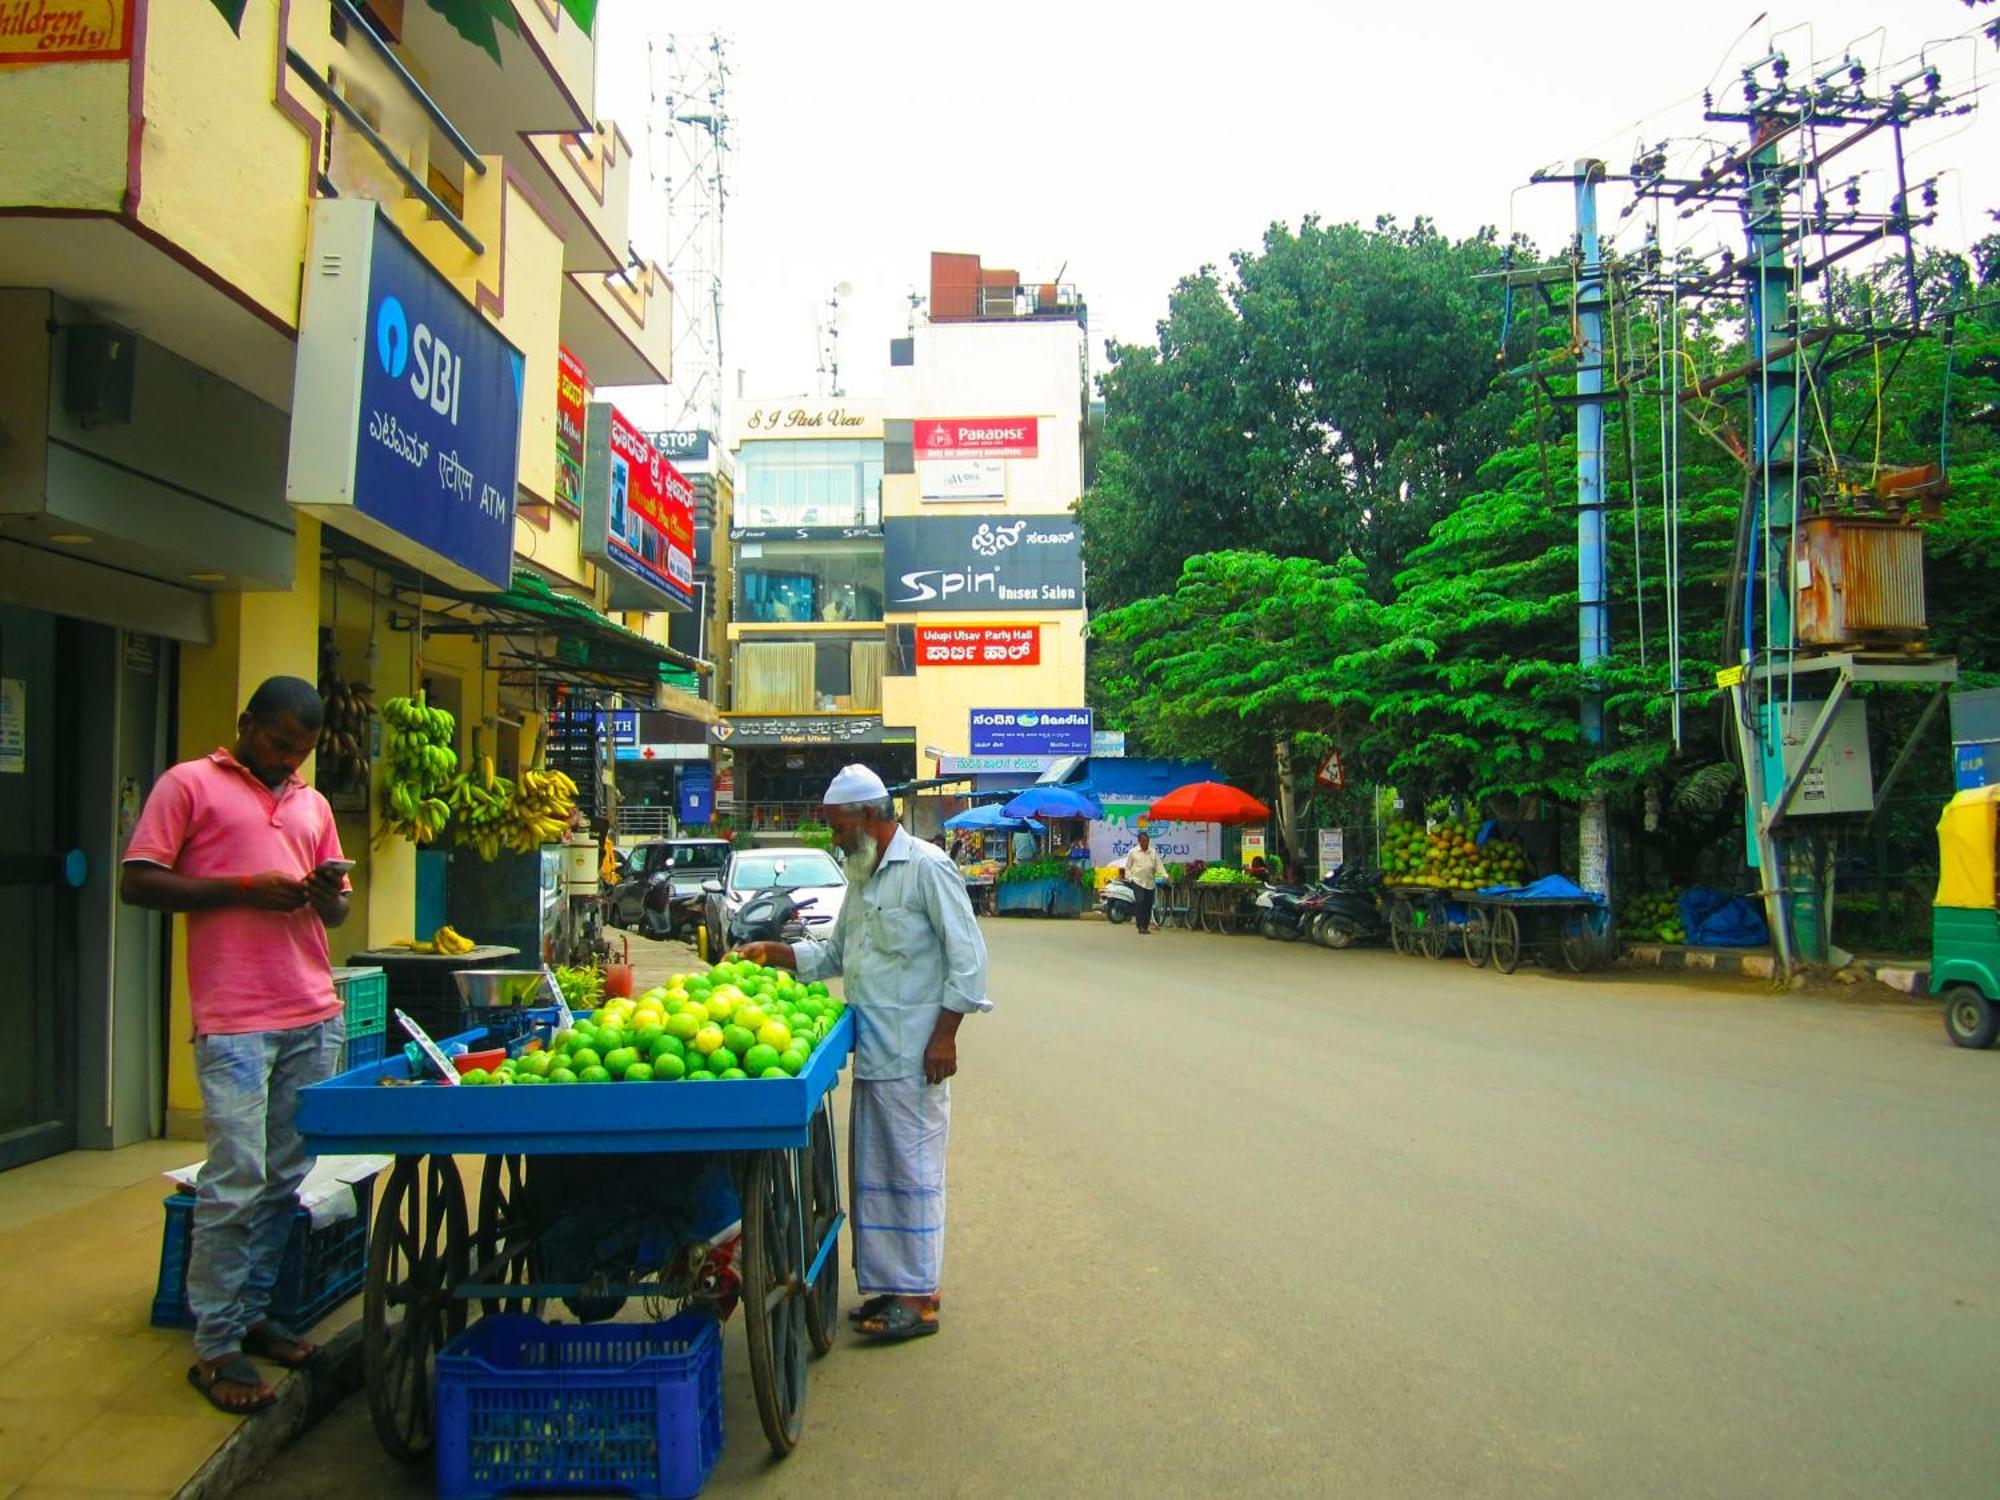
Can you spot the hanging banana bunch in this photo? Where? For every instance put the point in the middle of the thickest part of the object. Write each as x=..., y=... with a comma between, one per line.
x=345, y=708
x=421, y=765
x=482, y=809
x=544, y=803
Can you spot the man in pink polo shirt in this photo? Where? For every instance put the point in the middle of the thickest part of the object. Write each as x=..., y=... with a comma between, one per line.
x=248, y=851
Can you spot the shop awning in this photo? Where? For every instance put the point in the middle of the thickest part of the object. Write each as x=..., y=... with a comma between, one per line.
x=543, y=635
x=588, y=648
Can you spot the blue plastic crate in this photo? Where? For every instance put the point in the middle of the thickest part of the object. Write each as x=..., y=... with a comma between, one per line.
x=525, y=1406
x=321, y=1269
x=364, y=998
x=363, y=1050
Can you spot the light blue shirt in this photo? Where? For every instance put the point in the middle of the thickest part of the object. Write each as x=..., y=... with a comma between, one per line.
x=909, y=948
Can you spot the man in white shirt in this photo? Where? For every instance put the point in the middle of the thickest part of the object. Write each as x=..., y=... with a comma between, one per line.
x=915, y=966
x=1144, y=869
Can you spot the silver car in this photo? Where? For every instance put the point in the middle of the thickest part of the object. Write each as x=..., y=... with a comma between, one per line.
x=809, y=876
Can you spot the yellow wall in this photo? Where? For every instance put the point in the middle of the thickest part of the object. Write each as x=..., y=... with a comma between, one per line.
x=939, y=701
x=65, y=128
x=224, y=170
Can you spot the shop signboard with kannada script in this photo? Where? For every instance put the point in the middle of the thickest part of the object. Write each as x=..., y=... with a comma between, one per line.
x=638, y=515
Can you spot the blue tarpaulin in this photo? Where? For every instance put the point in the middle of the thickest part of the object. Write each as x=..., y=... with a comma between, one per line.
x=1548, y=888
x=1716, y=919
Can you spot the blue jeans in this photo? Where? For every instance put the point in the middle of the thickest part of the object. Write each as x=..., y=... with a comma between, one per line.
x=245, y=1196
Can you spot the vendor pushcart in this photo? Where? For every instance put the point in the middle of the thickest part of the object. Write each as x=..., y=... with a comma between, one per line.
x=590, y=1194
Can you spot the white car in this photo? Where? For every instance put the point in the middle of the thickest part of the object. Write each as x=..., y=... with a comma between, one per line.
x=809, y=876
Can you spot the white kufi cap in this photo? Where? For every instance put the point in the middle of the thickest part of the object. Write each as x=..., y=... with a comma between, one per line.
x=855, y=784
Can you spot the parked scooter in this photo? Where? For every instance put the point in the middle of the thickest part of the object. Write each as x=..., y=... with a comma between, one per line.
x=1348, y=909
x=1117, y=899
x=770, y=916
x=1282, y=911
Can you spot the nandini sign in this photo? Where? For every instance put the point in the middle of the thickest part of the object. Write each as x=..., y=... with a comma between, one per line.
x=1031, y=731
x=406, y=405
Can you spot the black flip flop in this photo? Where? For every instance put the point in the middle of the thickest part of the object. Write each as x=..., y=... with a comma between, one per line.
x=239, y=1371
x=869, y=1308
x=875, y=1304
x=898, y=1323
x=267, y=1338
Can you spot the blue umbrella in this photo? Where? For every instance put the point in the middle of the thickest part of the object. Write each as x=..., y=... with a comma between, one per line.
x=990, y=818
x=1054, y=802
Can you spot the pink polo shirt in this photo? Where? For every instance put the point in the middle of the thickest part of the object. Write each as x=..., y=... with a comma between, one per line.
x=248, y=970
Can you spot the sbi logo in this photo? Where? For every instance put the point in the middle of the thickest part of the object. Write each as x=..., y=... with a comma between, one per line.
x=437, y=373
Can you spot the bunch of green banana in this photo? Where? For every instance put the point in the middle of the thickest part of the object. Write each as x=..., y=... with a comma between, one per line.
x=482, y=809
x=544, y=803
x=421, y=764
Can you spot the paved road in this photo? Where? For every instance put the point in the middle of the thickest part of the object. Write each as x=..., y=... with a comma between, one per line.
x=1233, y=1218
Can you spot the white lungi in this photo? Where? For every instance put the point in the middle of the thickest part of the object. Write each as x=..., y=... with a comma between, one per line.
x=897, y=1129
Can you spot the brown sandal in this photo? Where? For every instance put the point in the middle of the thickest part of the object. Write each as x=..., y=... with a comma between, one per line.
x=208, y=1376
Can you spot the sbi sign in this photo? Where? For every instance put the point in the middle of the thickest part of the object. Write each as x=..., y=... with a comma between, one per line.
x=438, y=374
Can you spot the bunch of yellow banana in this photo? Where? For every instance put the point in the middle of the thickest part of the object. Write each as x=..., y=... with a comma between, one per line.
x=421, y=763
x=446, y=940
x=544, y=803
x=482, y=809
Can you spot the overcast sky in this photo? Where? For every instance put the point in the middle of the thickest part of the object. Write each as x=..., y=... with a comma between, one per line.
x=1126, y=145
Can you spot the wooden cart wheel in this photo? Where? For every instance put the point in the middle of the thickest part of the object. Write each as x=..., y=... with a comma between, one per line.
x=1478, y=937
x=1581, y=931
x=1436, y=931
x=1402, y=927
x=822, y=1176
x=408, y=1312
x=774, y=1304
x=1506, y=939
x=504, y=1224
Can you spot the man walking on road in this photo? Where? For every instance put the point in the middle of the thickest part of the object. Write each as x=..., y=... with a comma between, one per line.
x=915, y=965
x=1144, y=870
x=238, y=842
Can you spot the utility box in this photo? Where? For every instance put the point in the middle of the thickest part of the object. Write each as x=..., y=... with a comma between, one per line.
x=1841, y=778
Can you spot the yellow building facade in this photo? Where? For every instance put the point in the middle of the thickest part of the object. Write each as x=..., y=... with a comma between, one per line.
x=165, y=205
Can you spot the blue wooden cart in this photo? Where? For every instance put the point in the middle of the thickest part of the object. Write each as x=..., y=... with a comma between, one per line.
x=769, y=1143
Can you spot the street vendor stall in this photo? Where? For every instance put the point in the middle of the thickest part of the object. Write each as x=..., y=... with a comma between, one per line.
x=593, y=1193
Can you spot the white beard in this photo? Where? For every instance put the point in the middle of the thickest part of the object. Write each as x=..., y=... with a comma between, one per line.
x=861, y=863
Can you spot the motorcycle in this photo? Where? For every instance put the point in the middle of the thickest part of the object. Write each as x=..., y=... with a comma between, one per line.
x=1117, y=899
x=770, y=916
x=1348, y=909
x=663, y=913
x=1282, y=911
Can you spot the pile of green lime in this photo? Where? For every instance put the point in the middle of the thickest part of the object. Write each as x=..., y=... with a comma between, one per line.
x=736, y=1020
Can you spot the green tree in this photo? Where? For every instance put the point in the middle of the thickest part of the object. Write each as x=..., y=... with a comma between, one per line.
x=1246, y=661
x=1332, y=397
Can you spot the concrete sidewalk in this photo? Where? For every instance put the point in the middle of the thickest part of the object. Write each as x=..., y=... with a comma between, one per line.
x=94, y=1401
x=1910, y=976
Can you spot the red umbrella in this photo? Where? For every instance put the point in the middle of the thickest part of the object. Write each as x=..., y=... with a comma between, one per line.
x=1208, y=802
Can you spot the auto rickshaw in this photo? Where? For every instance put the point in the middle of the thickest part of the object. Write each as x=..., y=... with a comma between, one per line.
x=1965, y=924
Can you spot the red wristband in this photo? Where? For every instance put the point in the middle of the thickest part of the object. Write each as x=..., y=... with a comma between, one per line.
x=243, y=884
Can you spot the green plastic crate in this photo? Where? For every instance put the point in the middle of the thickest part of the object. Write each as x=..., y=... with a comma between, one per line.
x=364, y=995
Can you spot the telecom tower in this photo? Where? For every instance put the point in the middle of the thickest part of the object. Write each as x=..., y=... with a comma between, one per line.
x=689, y=141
